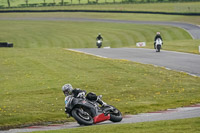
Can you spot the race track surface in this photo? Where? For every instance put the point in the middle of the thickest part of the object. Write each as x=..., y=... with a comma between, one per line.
x=189, y=63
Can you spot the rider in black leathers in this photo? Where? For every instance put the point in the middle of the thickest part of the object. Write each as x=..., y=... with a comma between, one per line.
x=69, y=90
x=99, y=37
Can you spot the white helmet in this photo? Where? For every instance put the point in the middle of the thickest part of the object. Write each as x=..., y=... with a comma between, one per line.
x=67, y=89
x=158, y=33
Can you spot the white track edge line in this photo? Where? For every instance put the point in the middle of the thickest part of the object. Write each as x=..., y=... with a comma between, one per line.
x=87, y=53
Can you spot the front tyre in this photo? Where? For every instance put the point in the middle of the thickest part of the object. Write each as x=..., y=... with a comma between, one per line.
x=158, y=48
x=115, y=115
x=99, y=45
x=82, y=117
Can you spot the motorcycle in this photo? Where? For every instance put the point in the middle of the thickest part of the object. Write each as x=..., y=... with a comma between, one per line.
x=158, y=45
x=87, y=112
x=99, y=43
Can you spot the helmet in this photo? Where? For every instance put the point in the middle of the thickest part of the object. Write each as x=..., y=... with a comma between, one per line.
x=158, y=33
x=67, y=89
x=99, y=33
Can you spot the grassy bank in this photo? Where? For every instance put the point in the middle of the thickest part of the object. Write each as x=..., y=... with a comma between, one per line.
x=63, y=34
x=31, y=80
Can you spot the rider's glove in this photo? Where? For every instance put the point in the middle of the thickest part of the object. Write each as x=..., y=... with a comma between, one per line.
x=81, y=95
x=66, y=110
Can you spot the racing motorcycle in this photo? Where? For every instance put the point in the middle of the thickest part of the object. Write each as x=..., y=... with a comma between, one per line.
x=99, y=43
x=87, y=112
x=158, y=44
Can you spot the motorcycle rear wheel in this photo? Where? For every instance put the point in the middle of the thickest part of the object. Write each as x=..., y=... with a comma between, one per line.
x=82, y=117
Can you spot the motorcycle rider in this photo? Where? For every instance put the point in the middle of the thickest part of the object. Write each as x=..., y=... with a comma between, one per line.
x=99, y=37
x=156, y=37
x=77, y=93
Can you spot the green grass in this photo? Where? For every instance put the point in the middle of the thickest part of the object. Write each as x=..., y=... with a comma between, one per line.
x=63, y=34
x=31, y=81
x=171, y=126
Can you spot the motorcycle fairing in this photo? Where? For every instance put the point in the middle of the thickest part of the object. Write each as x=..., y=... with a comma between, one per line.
x=101, y=118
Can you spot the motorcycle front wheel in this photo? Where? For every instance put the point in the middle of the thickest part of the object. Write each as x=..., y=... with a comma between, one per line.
x=158, y=48
x=99, y=46
x=115, y=115
x=82, y=117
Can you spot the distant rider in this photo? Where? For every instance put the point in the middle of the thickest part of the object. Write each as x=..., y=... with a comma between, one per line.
x=68, y=90
x=99, y=37
x=156, y=37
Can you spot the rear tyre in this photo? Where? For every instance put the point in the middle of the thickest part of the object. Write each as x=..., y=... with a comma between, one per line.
x=82, y=117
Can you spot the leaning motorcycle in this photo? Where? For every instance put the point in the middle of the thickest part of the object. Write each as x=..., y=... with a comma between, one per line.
x=158, y=45
x=99, y=43
x=87, y=112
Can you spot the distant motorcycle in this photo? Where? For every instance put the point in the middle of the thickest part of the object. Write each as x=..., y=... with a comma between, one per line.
x=158, y=44
x=87, y=112
x=99, y=43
